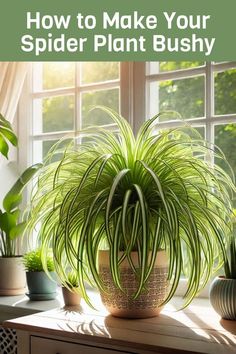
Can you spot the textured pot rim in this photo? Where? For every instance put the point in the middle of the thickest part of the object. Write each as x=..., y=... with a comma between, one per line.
x=132, y=252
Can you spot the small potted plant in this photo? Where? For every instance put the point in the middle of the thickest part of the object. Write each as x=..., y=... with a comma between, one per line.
x=41, y=286
x=133, y=213
x=12, y=279
x=70, y=291
x=223, y=288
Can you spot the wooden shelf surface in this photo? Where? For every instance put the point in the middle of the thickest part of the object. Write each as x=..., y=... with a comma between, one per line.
x=196, y=329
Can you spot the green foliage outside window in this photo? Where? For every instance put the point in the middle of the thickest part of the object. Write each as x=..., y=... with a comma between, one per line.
x=184, y=95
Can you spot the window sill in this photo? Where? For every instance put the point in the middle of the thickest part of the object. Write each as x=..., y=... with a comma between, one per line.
x=18, y=306
x=196, y=329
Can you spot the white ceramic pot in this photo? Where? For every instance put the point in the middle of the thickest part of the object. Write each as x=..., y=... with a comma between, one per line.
x=223, y=297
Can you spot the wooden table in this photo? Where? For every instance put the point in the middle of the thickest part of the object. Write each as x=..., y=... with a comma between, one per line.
x=196, y=329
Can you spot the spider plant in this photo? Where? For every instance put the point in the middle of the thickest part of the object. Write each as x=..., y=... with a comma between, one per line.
x=154, y=191
x=6, y=136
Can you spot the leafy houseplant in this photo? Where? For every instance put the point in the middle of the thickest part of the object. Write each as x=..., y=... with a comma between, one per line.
x=6, y=135
x=134, y=196
x=71, y=293
x=40, y=286
x=72, y=281
x=223, y=288
x=11, y=227
x=33, y=263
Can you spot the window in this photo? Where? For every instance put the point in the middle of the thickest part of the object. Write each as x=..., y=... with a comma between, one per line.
x=203, y=93
x=62, y=95
x=58, y=97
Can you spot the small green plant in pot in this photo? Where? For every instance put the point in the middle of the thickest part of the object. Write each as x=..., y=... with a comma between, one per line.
x=41, y=285
x=70, y=291
x=12, y=280
x=131, y=214
x=223, y=288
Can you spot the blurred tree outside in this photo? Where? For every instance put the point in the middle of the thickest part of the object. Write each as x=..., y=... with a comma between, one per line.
x=109, y=98
x=56, y=75
x=187, y=96
x=58, y=113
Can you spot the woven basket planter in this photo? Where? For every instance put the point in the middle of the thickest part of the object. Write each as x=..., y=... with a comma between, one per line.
x=223, y=297
x=121, y=304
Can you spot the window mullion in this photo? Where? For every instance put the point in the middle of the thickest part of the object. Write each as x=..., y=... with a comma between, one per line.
x=99, y=86
x=209, y=101
x=78, y=112
x=178, y=74
x=139, y=83
x=53, y=93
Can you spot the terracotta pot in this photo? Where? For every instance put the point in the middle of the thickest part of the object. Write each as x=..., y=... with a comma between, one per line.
x=223, y=298
x=71, y=298
x=121, y=304
x=12, y=276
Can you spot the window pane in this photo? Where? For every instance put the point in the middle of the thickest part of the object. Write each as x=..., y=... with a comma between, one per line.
x=58, y=74
x=47, y=146
x=54, y=114
x=37, y=151
x=109, y=98
x=41, y=148
x=184, y=96
x=59, y=148
x=157, y=67
x=225, y=92
x=92, y=72
x=201, y=131
x=225, y=138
